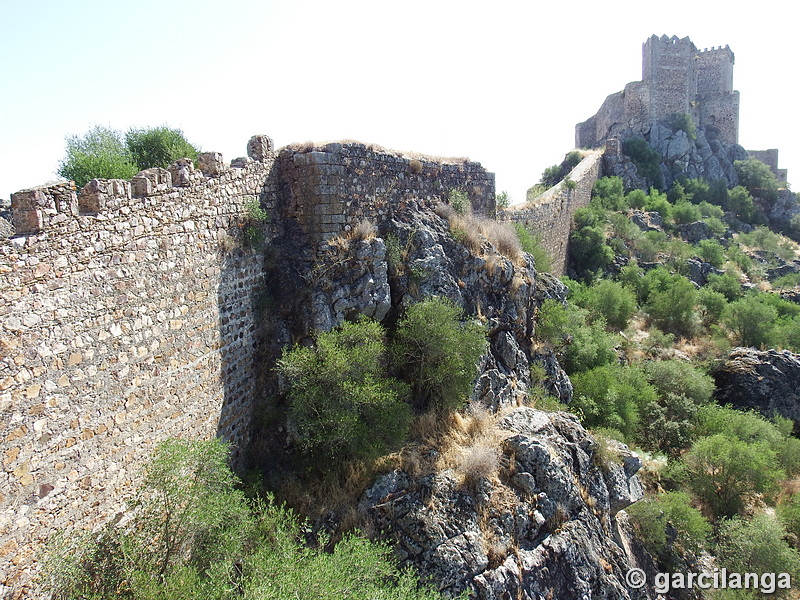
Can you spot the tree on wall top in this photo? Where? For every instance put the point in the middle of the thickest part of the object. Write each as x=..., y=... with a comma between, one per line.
x=103, y=153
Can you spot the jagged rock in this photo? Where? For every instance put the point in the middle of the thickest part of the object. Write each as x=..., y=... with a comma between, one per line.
x=694, y=232
x=783, y=209
x=679, y=146
x=699, y=271
x=765, y=380
x=556, y=380
x=549, y=531
x=351, y=281
x=647, y=221
x=6, y=228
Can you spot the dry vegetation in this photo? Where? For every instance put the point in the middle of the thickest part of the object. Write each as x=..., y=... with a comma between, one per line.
x=475, y=231
x=309, y=146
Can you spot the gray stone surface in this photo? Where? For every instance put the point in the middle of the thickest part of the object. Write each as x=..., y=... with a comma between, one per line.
x=764, y=380
x=550, y=535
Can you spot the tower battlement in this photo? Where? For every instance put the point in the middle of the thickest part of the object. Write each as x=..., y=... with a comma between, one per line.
x=676, y=78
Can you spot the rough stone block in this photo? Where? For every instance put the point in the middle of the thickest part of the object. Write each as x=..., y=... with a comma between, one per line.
x=95, y=195
x=260, y=147
x=182, y=172
x=211, y=163
x=241, y=162
x=150, y=181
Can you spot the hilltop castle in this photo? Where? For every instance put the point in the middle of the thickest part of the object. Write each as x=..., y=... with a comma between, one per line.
x=676, y=78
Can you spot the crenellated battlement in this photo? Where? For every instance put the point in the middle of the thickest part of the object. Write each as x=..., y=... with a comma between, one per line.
x=676, y=78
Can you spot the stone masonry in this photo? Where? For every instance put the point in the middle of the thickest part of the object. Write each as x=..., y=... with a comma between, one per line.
x=550, y=215
x=676, y=78
x=126, y=315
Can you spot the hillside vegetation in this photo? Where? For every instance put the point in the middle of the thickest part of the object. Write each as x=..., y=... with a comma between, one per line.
x=661, y=286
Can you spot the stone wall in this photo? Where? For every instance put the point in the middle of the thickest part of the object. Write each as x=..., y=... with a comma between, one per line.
x=770, y=158
x=335, y=185
x=550, y=215
x=126, y=315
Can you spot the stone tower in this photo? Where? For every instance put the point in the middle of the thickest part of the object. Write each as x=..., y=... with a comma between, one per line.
x=676, y=78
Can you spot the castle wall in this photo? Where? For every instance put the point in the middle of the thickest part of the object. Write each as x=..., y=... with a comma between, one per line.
x=722, y=113
x=126, y=316
x=551, y=214
x=770, y=158
x=714, y=69
x=336, y=185
x=668, y=68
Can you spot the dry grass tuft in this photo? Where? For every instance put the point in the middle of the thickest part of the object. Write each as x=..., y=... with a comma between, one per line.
x=364, y=230
x=474, y=231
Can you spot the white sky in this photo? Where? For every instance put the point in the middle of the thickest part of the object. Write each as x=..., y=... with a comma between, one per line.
x=502, y=82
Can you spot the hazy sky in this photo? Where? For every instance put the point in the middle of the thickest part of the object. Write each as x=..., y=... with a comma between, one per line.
x=501, y=82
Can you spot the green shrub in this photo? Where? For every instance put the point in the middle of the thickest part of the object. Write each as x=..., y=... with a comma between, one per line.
x=460, y=202
x=715, y=226
x=588, y=251
x=752, y=428
x=711, y=251
x=789, y=513
x=722, y=471
x=342, y=406
x=683, y=122
x=193, y=535
x=636, y=199
x=552, y=323
x=653, y=516
x=646, y=159
x=591, y=345
x=610, y=301
x=438, y=354
x=711, y=210
x=532, y=244
x=726, y=284
x=551, y=176
x=681, y=378
x=611, y=396
x=158, y=147
x=741, y=204
x=699, y=192
x=756, y=546
x=671, y=307
x=787, y=281
x=750, y=321
x=502, y=200
x=668, y=424
x=685, y=212
x=658, y=202
x=608, y=191
x=758, y=178
x=100, y=153
x=710, y=305
x=188, y=529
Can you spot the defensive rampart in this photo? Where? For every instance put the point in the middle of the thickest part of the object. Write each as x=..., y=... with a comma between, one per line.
x=550, y=214
x=126, y=315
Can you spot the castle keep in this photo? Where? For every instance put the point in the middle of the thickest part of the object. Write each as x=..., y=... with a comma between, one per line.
x=676, y=78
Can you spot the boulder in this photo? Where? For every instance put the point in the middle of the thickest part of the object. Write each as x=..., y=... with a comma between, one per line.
x=764, y=380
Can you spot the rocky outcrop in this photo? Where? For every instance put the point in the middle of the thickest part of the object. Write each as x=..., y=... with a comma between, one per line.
x=681, y=156
x=785, y=207
x=543, y=526
x=764, y=380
